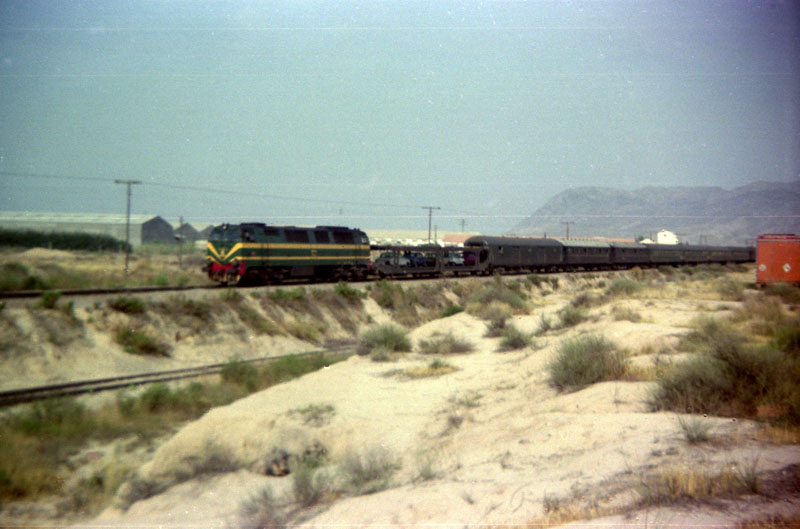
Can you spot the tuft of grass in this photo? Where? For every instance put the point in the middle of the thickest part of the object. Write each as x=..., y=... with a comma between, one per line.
x=262, y=510
x=128, y=305
x=435, y=368
x=509, y=293
x=242, y=373
x=624, y=313
x=445, y=344
x=728, y=289
x=623, y=287
x=387, y=337
x=451, y=310
x=695, y=429
x=571, y=316
x=294, y=294
x=138, y=342
x=49, y=299
x=315, y=415
x=673, y=485
x=346, y=292
x=310, y=483
x=512, y=338
x=586, y=360
x=786, y=292
x=369, y=471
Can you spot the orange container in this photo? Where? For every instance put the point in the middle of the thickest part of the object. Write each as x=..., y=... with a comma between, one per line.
x=778, y=259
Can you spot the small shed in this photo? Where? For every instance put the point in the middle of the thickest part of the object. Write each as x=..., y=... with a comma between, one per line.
x=777, y=258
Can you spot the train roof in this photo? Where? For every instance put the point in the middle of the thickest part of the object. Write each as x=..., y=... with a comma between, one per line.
x=491, y=240
x=573, y=243
x=636, y=245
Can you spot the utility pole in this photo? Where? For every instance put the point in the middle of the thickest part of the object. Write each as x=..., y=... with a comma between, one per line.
x=567, y=223
x=180, y=242
x=430, y=216
x=462, y=225
x=128, y=183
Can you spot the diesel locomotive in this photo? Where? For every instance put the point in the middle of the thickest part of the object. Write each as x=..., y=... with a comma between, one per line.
x=254, y=252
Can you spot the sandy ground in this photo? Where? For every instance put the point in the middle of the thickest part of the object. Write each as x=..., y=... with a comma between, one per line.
x=488, y=444
x=502, y=442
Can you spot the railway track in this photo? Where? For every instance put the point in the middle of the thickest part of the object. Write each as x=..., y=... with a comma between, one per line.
x=16, y=294
x=81, y=387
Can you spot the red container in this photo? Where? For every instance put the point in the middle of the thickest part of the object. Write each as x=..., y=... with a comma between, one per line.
x=778, y=259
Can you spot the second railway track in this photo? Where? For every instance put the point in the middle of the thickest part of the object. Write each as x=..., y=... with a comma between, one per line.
x=81, y=387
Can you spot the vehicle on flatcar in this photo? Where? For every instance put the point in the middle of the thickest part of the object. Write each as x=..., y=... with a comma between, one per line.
x=255, y=252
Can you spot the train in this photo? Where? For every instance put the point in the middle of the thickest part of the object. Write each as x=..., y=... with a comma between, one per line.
x=257, y=253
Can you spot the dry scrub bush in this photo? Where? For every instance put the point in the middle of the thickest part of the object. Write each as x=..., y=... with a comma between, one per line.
x=586, y=360
x=509, y=293
x=369, y=471
x=730, y=377
x=446, y=344
x=386, y=337
x=434, y=368
x=512, y=338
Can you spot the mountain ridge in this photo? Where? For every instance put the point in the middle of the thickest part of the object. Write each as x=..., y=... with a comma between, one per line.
x=698, y=214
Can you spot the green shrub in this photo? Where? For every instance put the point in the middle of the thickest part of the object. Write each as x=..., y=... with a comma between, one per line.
x=385, y=293
x=293, y=294
x=370, y=471
x=729, y=289
x=194, y=308
x=623, y=287
x=451, y=310
x=128, y=305
x=788, y=293
x=787, y=339
x=242, y=373
x=49, y=299
x=444, y=345
x=729, y=377
x=389, y=337
x=309, y=483
x=495, y=328
x=586, y=360
x=498, y=290
x=348, y=293
x=695, y=429
x=570, y=316
x=139, y=342
x=512, y=338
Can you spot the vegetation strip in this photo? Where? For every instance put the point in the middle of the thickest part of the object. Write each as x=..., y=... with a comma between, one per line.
x=18, y=396
x=95, y=291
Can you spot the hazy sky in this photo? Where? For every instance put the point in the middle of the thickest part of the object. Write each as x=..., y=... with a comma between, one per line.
x=368, y=110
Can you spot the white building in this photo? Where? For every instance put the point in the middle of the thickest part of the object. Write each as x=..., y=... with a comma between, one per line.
x=662, y=237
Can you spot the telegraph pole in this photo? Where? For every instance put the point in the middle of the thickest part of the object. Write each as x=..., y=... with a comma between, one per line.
x=430, y=216
x=567, y=223
x=128, y=183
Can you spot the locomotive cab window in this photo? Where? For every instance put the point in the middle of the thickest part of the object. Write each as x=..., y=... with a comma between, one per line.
x=271, y=232
x=296, y=236
x=322, y=237
x=343, y=237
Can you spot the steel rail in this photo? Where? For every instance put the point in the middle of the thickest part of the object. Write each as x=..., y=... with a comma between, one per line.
x=93, y=291
x=79, y=387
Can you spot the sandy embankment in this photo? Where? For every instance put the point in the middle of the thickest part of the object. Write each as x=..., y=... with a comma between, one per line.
x=502, y=441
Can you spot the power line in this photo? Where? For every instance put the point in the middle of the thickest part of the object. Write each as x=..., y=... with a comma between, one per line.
x=213, y=190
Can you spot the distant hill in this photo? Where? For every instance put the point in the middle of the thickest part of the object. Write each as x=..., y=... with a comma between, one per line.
x=698, y=214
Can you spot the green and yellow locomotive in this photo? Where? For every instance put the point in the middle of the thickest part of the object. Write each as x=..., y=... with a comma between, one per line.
x=254, y=252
